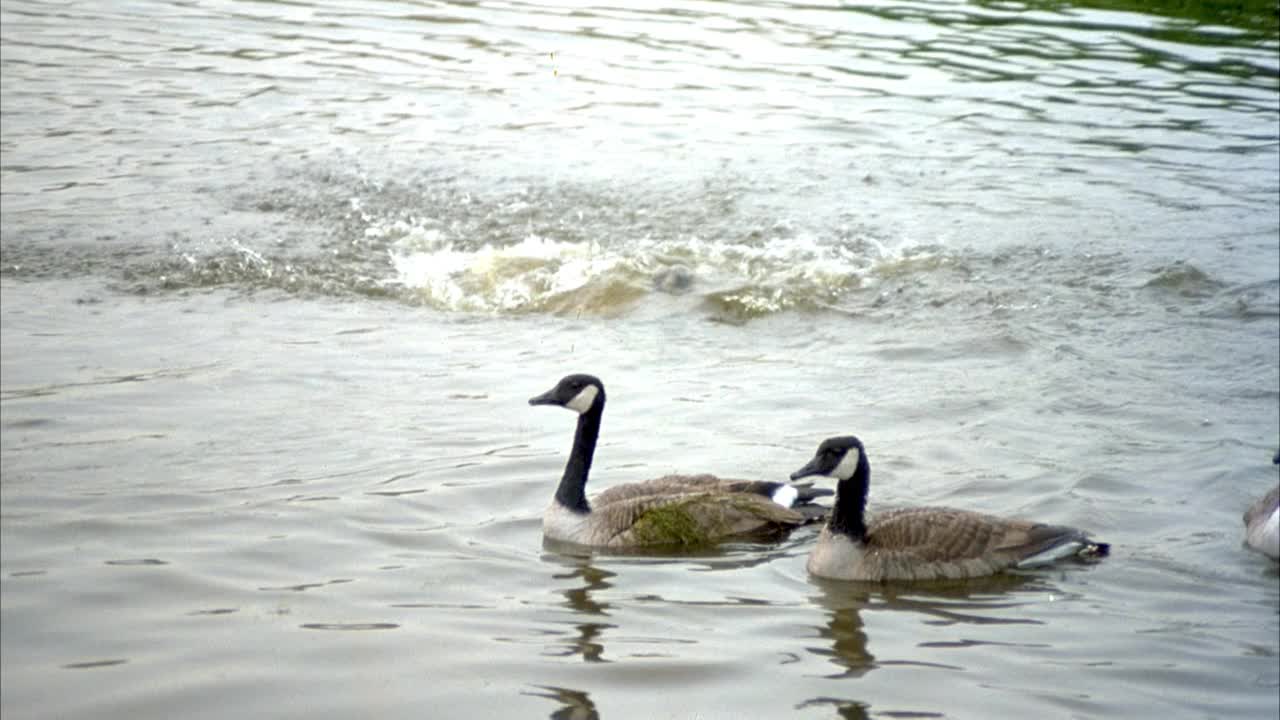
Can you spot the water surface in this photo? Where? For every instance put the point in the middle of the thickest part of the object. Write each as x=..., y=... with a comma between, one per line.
x=278, y=278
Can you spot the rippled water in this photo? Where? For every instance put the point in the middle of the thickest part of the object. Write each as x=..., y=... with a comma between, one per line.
x=277, y=279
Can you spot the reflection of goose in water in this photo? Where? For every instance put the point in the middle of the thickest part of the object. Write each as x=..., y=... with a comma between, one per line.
x=850, y=630
x=575, y=704
x=844, y=631
x=582, y=603
x=980, y=601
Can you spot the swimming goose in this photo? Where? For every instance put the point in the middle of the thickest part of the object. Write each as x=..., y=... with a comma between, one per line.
x=922, y=543
x=1262, y=522
x=670, y=510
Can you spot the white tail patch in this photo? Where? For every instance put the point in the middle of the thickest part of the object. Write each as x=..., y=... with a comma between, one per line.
x=785, y=496
x=848, y=465
x=1053, y=554
x=583, y=401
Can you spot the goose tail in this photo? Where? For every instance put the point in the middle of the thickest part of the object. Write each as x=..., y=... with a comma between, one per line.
x=1060, y=543
x=788, y=495
x=807, y=493
x=813, y=513
x=799, y=498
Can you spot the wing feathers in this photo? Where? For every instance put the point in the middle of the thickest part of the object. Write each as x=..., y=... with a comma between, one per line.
x=943, y=542
x=691, y=518
x=688, y=510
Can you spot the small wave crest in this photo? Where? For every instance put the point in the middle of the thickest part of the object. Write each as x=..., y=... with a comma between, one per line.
x=1184, y=279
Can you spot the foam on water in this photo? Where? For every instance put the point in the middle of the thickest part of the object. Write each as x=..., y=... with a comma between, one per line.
x=749, y=278
x=490, y=278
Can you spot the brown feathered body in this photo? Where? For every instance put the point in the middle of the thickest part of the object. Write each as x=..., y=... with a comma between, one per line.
x=934, y=543
x=922, y=543
x=671, y=510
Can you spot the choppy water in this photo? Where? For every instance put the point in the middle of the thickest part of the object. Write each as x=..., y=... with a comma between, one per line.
x=277, y=279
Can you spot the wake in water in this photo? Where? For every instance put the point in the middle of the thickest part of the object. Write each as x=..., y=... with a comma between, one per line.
x=539, y=274
x=599, y=249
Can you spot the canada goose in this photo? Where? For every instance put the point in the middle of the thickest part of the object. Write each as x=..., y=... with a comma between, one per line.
x=670, y=510
x=922, y=543
x=1262, y=522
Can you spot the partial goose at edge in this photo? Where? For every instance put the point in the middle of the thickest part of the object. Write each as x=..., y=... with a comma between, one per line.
x=1262, y=522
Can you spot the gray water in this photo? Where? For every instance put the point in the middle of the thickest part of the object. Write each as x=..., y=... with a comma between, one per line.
x=278, y=278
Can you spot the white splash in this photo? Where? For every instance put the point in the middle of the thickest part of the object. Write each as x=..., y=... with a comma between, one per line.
x=538, y=273
x=495, y=278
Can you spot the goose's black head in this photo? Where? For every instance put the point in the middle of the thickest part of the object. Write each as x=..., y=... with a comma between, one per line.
x=1276, y=460
x=578, y=392
x=837, y=457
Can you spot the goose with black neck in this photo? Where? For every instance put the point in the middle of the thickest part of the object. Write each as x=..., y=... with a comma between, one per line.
x=922, y=543
x=673, y=510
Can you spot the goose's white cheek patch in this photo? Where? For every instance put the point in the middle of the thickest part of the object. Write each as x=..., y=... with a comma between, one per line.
x=848, y=465
x=583, y=401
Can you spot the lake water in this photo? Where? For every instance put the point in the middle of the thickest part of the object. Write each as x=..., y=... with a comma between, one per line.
x=279, y=277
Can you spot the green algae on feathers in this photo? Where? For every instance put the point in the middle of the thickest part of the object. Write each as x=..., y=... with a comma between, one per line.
x=695, y=520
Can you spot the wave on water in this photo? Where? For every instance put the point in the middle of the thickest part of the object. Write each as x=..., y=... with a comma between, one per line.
x=534, y=247
x=600, y=248
x=738, y=280
x=1184, y=279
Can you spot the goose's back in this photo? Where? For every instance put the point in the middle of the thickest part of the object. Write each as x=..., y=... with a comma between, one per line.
x=665, y=485
x=934, y=543
x=635, y=515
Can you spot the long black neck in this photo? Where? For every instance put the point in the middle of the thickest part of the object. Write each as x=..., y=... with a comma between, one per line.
x=572, y=492
x=851, y=503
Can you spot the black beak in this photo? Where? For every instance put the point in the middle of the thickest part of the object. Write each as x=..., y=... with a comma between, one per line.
x=1276, y=459
x=546, y=398
x=813, y=467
